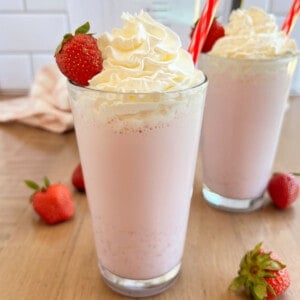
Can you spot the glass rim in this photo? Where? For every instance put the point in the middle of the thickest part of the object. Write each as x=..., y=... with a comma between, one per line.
x=173, y=92
x=259, y=60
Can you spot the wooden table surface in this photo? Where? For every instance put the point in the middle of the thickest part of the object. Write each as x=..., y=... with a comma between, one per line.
x=44, y=262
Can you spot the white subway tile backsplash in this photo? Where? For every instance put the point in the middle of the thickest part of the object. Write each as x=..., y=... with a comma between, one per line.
x=280, y=7
x=295, y=89
x=40, y=60
x=11, y=5
x=15, y=72
x=55, y=5
x=259, y=3
x=279, y=21
x=32, y=32
x=295, y=33
x=31, y=29
x=223, y=11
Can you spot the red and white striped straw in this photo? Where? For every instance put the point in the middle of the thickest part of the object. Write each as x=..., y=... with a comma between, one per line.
x=291, y=17
x=202, y=28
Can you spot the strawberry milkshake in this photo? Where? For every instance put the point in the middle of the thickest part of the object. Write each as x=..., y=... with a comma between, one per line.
x=138, y=125
x=249, y=72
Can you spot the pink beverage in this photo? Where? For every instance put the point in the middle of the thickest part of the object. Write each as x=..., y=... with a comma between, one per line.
x=138, y=153
x=245, y=106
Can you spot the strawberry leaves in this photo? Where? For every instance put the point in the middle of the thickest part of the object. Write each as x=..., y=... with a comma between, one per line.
x=83, y=29
x=33, y=185
x=257, y=268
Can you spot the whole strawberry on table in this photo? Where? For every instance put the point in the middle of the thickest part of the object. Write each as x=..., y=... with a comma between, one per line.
x=283, y=189
x=261, y=275
x=77, y=179
x=52, y=202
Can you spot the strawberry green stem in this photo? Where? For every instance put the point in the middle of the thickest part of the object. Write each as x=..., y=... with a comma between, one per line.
x=32, y=184
x=46, y=182
x=255, y=266
x=83, y=29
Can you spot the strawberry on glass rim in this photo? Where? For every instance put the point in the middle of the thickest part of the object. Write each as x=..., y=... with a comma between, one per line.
x=52, y=202
x=78, y=56
x=216, y=31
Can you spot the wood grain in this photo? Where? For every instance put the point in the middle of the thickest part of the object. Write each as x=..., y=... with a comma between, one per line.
x=59, y=262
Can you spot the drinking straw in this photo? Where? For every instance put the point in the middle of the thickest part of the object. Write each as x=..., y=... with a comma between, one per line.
x=291, y=17
x=202, y=28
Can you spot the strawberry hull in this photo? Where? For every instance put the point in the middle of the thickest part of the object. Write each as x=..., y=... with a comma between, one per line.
x=261, y=275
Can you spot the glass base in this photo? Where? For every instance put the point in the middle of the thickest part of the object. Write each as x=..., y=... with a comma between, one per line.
x=230, y=204
x=139, y=288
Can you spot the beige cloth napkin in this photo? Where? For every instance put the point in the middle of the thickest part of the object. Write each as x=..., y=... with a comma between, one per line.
x=46, y=106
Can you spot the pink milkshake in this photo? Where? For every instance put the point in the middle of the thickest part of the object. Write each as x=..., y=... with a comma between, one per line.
x=138, y=126
x=248, y=89
x=139, y=170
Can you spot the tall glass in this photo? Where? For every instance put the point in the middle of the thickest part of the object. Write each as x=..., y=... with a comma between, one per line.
x=246, y=101
x=138, y=153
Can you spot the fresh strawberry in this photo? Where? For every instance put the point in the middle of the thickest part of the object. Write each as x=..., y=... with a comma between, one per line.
x=77, y=179
x=216, y=31
x=261, y=275
x=52, y=202
x=283, y=189
x=78, y=56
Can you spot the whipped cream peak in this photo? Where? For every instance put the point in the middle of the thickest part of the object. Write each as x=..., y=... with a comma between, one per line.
x=251, y=22
x=144, y=56
x=253, y=33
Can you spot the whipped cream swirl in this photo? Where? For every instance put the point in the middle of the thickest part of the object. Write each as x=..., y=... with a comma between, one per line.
x=253, y=33
x=144, y=56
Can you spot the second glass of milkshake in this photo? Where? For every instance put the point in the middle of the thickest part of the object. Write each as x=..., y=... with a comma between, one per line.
x=138, y=125
x=249, y=72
